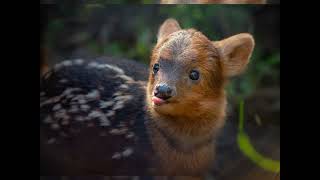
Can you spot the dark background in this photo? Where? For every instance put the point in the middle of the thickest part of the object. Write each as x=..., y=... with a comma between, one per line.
x=72, y=30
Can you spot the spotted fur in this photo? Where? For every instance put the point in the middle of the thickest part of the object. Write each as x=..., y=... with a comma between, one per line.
x=91, y=116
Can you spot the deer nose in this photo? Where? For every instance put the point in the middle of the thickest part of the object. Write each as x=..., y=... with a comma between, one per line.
x=163, y=91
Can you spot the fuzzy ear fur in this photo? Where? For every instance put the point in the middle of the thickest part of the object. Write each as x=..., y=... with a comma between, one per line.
x=168, y=26
x=235, y=53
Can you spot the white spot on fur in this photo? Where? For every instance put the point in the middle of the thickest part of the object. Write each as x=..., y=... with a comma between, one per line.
x=100, y=66
x=124, y=86
x=79, y=118
x=69, y=91
x=60, y=114
x=82, y=101
x=123, y=98
x=94, y=94
x=48, y=101
x=93, y=64
x=56, y=99
x=56, y=107
x=126, y=78
x=118, y=93
x=96, y=114
x=78, y=97
x=118, y=70
x=105, y=104
x=130, y=135
x=104, y=121
x=67, y=63
x=119, y=105
x=118, y=131
x=63, y=80
x=73, y=109
x=78, y=61
x=114, y=68
x=84, y=107
x=110, y=113
x=121, y=124
x=127, y=152
x=116, y=156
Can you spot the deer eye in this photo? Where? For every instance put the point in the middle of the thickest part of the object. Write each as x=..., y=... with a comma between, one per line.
x=156, y=68
x=194, y=75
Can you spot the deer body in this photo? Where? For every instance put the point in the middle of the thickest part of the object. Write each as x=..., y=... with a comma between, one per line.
x=109, y=116
x=80, y=121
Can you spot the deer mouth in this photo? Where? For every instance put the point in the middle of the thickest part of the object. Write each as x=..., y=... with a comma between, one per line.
x=158, y=101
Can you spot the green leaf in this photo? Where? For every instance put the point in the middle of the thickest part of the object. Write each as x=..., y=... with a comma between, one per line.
x=248, y=150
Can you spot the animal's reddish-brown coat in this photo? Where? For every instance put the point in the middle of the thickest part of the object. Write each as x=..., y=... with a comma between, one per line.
x=199, y=113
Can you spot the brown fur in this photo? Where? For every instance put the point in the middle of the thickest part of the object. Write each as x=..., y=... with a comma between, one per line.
x=194, y=116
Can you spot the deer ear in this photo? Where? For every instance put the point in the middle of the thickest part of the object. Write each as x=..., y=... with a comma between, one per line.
x=235, y=53
x=168, y=26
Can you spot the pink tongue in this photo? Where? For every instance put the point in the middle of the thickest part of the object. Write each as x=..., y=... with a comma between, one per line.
x=157, y=101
